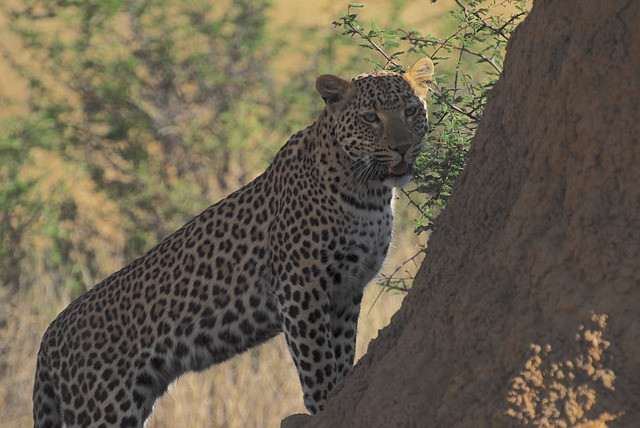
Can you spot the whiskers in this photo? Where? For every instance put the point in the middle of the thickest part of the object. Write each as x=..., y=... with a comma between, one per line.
x=363, y=171
x=364, y=178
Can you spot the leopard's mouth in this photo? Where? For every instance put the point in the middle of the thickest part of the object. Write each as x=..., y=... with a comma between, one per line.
x=398, y=175
x=399, y=170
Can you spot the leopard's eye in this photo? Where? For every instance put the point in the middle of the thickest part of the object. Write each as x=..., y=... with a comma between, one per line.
x=410, y=111
x=370, y=117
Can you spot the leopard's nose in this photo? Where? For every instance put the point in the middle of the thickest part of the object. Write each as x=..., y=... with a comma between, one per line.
x=401, y=149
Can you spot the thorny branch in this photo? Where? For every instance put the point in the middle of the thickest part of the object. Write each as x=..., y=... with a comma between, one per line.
x=497, y=31
x=353, y=30
x=426, y=41
x=412, y=202
x=475, y=25
x=389, y=282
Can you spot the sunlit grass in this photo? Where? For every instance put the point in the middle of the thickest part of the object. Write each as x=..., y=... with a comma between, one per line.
x=257, y=389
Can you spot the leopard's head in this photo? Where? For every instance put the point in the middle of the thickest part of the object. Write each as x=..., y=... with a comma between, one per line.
x=379, y=120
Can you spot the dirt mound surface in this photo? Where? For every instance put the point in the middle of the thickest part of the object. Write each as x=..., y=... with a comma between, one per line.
x=527, y=308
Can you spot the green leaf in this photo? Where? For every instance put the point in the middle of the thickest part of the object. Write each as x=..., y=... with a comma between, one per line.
x=391, y=44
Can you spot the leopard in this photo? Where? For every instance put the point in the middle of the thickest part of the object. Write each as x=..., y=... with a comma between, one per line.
x=291, y=252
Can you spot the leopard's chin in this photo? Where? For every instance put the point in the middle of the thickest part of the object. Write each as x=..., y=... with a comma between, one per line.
x=398, y=175
x=400, y=169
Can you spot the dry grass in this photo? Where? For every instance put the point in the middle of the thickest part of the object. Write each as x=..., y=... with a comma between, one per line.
x=19, y=341
x=257, y=389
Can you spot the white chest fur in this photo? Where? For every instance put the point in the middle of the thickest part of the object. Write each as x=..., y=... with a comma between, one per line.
x=361, y=253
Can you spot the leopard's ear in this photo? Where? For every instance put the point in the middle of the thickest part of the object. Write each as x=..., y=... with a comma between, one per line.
x=334, y=90
x=420, y=76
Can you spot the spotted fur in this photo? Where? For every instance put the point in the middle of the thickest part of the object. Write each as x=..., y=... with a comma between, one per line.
x=289, y=252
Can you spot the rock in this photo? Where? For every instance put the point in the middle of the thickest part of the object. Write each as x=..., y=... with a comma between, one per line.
x=527, y=308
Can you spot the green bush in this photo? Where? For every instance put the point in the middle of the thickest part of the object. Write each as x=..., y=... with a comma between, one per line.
x=468, y=61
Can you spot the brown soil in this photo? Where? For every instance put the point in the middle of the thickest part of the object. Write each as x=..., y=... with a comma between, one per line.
x=527, y=308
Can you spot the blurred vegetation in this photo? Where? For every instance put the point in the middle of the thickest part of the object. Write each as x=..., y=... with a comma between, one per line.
x=149, y=108
x=142, y=111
